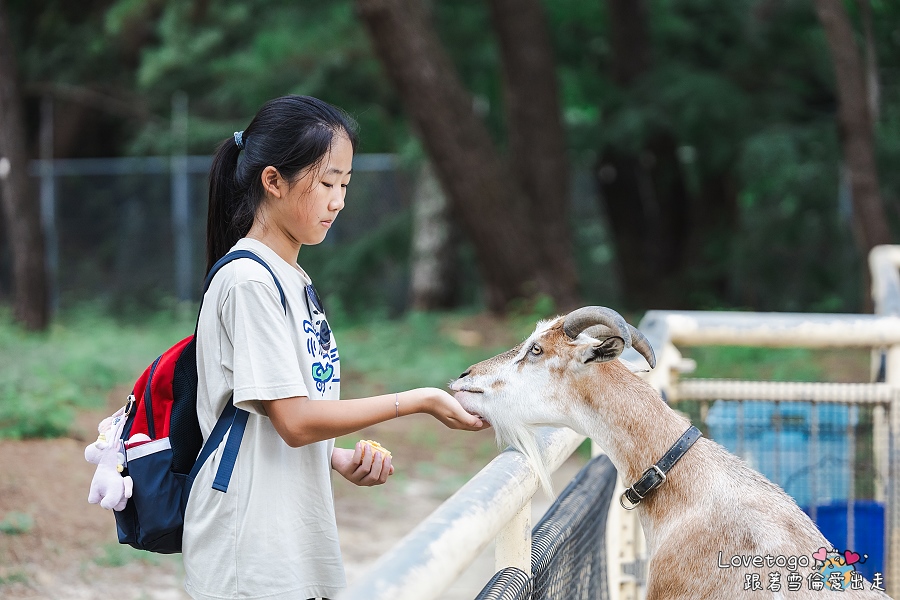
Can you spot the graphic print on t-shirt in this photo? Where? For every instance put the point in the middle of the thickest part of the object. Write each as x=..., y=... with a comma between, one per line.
x=319, y=345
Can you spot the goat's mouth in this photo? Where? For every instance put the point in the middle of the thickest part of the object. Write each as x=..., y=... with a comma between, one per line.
x=464, y=395
x=469, y=389
x=459, y=385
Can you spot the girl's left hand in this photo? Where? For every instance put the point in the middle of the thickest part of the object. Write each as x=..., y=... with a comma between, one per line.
x=373, y=470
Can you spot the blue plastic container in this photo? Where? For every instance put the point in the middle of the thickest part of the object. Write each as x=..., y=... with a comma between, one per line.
x=868, y=532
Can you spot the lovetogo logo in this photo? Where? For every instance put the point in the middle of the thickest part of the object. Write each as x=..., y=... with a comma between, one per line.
x=829, y=570
x=838, y=573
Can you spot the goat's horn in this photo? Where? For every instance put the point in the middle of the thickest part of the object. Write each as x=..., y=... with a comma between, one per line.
x=600, y=332
x=579, y=320
x=640, y=343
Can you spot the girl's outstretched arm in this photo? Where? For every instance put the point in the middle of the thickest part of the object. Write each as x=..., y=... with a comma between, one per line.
x=301, y=421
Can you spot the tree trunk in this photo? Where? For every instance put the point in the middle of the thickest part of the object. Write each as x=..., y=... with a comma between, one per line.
x=649, y=210
x=487, y=198
x=873, y=82
x=20, y=204
x=855, y=124
x=434, y=278
x=714, y=219
x=537, y=140
x=630, y=40
x=644, y=192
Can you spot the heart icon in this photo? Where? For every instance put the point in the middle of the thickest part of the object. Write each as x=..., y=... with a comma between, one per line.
x=821, y=554
x=852, y=557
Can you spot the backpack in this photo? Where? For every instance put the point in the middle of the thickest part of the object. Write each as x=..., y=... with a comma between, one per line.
x=163, y=406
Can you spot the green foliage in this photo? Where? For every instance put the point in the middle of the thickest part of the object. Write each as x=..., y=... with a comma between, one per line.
x=464, y=26
x=749, y=363
x=75, y=365
x=584, y=449
x=367, y=275
x=414, y=351
x=522, y=315
x=119, y=555
x=745, y=87
x=780, y=364
x=16, y=523
x=252, y=52
x=16, y=576
x=229, y=56
x=794, y=249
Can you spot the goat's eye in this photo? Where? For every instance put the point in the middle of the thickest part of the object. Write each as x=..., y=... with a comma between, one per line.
x=536, y=350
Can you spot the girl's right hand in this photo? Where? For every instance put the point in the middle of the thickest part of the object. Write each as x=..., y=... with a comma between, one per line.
x=446, y=409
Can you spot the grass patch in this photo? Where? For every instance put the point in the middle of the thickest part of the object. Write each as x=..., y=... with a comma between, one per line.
x=16, y=523
x=780, y=364
x=74, y=365
x=12, y=577
x=119, y=555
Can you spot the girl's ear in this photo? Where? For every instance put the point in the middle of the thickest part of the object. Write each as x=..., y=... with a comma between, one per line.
x=271, y=180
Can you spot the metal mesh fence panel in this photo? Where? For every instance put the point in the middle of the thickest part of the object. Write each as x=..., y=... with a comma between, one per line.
x=822, y=454
x=114, y=239
x=510, y=583
x=568, y=547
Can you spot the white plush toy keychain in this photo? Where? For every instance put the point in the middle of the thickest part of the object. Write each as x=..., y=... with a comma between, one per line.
x=108, y=487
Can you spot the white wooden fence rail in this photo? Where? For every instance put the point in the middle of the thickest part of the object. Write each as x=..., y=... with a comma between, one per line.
x=495, y=503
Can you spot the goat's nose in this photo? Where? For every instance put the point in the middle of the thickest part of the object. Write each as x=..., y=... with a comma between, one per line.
x=465, y=373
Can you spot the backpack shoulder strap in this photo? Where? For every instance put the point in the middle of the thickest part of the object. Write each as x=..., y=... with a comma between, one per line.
x=232, y=418
x=234, y=256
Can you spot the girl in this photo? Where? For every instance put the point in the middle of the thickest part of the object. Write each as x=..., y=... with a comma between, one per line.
x=276, y=186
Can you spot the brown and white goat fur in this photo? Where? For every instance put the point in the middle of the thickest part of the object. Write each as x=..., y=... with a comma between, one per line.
x=712, y=507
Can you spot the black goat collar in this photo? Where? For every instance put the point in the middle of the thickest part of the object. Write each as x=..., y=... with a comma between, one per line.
x=655, y=476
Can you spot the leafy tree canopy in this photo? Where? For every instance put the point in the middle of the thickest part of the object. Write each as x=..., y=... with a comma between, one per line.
x=745, y=87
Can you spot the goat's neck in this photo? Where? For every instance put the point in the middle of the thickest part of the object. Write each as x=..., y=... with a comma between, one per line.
x=630, y=421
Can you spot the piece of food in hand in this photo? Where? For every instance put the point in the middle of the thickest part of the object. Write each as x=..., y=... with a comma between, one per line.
x=371, y=447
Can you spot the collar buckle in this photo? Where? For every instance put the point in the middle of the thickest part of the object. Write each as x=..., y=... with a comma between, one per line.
x=633, y=496
x=661, y=473
x=624, y=497
x=655, y=476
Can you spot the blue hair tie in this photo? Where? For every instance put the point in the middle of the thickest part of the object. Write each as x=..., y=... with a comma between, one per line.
x=239, y=139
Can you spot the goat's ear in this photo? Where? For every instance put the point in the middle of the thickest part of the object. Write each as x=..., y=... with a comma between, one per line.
x=609, y=349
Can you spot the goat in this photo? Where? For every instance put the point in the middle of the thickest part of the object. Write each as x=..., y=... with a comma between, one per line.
x=715, y=528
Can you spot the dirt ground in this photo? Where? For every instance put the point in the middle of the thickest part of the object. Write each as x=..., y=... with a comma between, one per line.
x=68, y=549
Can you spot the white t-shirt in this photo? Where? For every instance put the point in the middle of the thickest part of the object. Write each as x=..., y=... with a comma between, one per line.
x=273, y=534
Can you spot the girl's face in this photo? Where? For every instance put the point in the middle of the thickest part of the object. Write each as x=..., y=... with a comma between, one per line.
x=309, y=205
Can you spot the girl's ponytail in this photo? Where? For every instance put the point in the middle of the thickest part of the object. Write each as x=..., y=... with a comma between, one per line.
x=223, y=202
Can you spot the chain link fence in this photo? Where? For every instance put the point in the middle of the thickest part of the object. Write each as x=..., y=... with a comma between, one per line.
x=131, y=232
